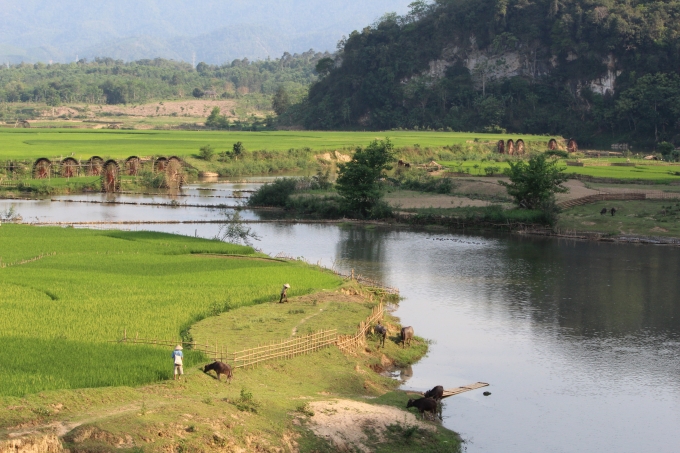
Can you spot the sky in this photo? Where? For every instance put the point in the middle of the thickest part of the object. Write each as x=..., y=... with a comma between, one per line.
x=213, y=31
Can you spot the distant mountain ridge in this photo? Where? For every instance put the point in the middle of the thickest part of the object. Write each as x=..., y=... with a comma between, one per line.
x=215, y=31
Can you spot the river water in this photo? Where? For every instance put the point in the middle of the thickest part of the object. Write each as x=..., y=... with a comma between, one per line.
x=580, y=341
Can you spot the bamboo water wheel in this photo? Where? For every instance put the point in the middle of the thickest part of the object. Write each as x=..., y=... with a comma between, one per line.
x=110, y=176
x=132, y=165
x=511, y=147
x=95, y=166
x=42, y=168
x=174, y=176
x=572, y=146
x=69, y=167
x=500, y=146
x=519, y=147
x=161, y=164
x=552, y=144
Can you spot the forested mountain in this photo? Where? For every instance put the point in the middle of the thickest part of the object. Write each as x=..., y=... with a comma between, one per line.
x=115, y=82
x=596, y=70
x=216, y=31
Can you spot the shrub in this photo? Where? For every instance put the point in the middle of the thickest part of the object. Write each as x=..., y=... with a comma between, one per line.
x=275, y=194
x=206, y=152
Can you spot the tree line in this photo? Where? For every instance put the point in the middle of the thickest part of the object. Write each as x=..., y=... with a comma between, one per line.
x=109, y=81
x=413, y=71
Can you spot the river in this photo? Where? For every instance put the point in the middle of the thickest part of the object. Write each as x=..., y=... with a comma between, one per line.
x=580, y=341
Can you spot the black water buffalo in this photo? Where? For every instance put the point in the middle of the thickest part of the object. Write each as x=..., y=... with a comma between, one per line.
x=613, y=211
x=219, y=368
x=604, y=211
x=381, y=331
x=406, y=335
x=436, y=393
x=424, y=405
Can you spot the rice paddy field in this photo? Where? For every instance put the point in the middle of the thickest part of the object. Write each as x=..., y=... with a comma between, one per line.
x=661, y=173
x=83, y=144
x=66, y=293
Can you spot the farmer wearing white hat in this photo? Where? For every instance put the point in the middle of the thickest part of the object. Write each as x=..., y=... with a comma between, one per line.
x=178, y=358
x=284, y=293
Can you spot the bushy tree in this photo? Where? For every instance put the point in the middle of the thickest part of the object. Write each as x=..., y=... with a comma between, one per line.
x=533, y=184
x=358, y=180
x=216, y=120
x=238, y=150
x=280, y=101
x=206, y=152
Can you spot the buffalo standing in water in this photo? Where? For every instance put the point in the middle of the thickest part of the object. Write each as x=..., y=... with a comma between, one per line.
x=436, y=393
x=424, y=405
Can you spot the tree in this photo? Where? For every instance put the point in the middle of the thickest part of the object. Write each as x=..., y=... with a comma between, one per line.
x=216, y=120
x=324, y=66
x=358, y=180
x=206, y=152
x=280, y=101
x=238, y=150
x=234, y=231
x=534, y=184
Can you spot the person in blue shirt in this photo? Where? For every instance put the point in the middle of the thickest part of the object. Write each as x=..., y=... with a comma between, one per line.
x=178, y=359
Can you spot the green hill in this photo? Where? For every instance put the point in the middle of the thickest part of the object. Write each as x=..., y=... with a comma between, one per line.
x=600, y=71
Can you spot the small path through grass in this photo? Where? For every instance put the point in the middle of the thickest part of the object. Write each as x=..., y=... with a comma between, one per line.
x=303, y=320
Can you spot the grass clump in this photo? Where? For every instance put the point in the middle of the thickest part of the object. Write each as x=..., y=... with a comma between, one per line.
x=246, y=402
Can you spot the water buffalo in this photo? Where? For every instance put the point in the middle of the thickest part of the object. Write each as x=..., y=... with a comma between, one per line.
x=604, y=211
x=424, y=405
x=613, y=211
x=219, y=368
x=381, y=331
x=406, y=335
x=436, y=393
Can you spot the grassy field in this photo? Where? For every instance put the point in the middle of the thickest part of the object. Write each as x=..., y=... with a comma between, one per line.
x=643, y=218
x=64, y=293
x=644, y=171
x=35, y=143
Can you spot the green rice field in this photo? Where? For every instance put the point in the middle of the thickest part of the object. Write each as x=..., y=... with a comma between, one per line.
x=66, y=293
x=643, y=170
x=82, y=144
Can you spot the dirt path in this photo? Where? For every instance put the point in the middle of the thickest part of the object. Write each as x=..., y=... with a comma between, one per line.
x=61, y=428
x=304, y=320
x=345, y=422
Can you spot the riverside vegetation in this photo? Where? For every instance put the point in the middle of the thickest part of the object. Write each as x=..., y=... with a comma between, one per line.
x=67, y=291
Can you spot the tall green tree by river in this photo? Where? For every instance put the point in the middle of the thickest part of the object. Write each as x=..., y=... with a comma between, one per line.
x=358, y=180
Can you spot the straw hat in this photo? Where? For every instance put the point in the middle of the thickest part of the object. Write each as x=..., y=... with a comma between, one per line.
x=287, y=285
x=178, y=347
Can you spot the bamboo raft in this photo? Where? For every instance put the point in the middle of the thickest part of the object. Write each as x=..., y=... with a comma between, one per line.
x=459, y=390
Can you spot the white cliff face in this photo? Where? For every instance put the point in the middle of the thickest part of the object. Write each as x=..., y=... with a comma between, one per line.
x=607, y=83
x=494, y=66
x=486, y=66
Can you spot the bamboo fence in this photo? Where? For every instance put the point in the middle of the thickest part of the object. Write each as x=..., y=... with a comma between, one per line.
x=214, y=351
x=284, y=349
x=276, y=350
x=350, y=343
